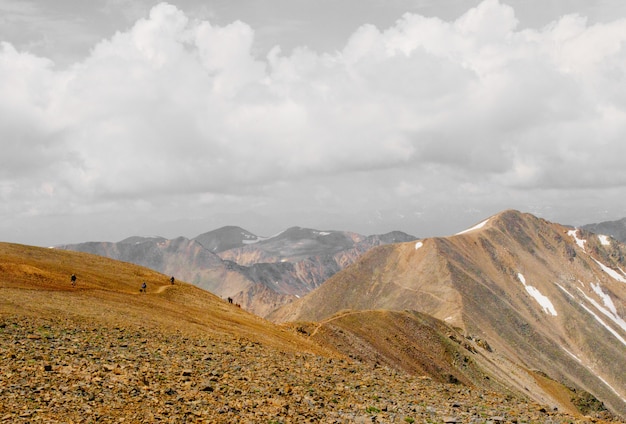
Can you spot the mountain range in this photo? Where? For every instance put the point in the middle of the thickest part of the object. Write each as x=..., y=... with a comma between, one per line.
x=547, y=300
x=532, y=299
x=516, y=305
x=99, y=349
x=258, y=273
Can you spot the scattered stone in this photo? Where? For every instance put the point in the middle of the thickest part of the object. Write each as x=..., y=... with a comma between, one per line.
x=168, y=378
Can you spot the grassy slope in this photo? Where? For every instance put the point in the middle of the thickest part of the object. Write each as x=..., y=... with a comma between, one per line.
x=36, y=281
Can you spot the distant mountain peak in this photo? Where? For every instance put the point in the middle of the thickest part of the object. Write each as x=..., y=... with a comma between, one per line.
x=226, y=238
x=504, y=219
x=142, y=239
x=294, y=233
x=615, y=229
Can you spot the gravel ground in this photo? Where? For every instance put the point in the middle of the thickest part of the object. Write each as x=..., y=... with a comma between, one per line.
x=69, y=371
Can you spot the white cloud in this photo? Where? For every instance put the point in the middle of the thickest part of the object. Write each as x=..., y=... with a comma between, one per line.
x=179, y=106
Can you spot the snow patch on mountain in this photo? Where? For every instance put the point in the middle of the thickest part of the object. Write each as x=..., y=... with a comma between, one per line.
x=609, y=309
x=614, y=274
x=604, y=324
x=475, y=227
x=604, y=240
x=613, y=316
x=579, y=242
x=565, y=291
x=606, y=299
x=322, y=233
x=572, y=355
x=612, y=388
x=543, y=300
x=252, y=239
x=418, y=245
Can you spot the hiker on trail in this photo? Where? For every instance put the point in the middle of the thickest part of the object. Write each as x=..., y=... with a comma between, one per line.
x=143, y=287
x=172, y=280
x=73, y=279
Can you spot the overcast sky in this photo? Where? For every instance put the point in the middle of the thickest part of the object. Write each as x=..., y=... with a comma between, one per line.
x=133, y=117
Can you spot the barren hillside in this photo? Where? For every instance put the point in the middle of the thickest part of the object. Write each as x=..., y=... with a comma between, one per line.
x=259, y=273
x=101, y=351
x=544, y=296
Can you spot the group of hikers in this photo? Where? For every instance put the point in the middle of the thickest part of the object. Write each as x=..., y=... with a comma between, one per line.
x=143, y=288
x=230, y=300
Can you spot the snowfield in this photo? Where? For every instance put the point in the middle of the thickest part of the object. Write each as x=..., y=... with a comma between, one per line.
x=475, y=227
x=579, y=242
x=614, y=274
x=543, y=301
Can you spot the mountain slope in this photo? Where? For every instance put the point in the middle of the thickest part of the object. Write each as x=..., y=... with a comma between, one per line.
x=406, y=340
x=260, y=274
x=424, y=346
x=226, y=238
x=542, y=295
x=101, y=351
x=37, y=281
x=292, y=245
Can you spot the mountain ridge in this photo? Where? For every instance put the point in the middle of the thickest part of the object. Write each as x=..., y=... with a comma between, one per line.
x=515, y=280
x=259, y=273
x=615, y=229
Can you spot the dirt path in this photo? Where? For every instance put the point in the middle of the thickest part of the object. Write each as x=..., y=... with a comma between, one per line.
x=326, y=321
x=161, y=289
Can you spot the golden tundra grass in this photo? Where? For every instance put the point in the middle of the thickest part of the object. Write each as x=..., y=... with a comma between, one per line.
x=36, y=281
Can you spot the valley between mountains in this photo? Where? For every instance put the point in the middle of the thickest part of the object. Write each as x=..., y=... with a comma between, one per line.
x=514, y=320
x=259, y=273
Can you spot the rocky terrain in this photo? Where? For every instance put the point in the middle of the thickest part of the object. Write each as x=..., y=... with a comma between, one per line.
x=62, y=371
x=101, y=351
x=546, y=297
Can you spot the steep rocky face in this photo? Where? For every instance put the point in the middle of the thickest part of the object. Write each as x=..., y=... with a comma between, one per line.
x=615, y=229
x=544, y=296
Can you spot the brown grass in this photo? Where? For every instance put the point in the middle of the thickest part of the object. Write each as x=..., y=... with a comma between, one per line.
x=36, y=282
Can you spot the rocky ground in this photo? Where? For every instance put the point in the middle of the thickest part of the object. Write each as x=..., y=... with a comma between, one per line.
x=69, y=371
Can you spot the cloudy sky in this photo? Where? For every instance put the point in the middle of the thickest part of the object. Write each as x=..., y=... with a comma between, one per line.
x=133, y=117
